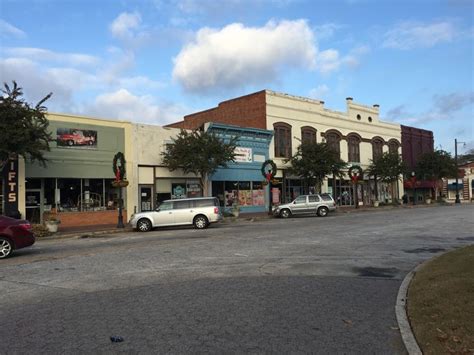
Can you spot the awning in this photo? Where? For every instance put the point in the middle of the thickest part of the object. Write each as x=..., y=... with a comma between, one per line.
x=453, y=186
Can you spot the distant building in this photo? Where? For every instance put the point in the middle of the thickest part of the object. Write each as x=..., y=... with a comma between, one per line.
x=357, y=134
x=415, y=143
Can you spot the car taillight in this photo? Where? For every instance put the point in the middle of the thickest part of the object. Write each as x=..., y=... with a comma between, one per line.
x=26, y=226
x=216, y=210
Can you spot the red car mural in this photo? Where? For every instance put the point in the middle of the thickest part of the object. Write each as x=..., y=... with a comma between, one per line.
x=75, y=137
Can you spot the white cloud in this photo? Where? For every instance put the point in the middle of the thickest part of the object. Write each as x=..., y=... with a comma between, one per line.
x=122, y=104
x=35, y=81
x=319, y=92
x=238, y=55
x=124, y=26
x=45, y=55
x=326, y=30
x=8, y=30
x=329, y=60
x=410, y=35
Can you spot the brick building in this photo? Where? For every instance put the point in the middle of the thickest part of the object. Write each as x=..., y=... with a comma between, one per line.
x=357, y=134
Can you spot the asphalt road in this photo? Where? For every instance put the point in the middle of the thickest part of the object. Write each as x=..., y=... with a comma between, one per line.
x=302, y=285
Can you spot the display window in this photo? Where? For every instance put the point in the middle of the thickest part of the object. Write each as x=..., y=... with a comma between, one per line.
x=243, y=193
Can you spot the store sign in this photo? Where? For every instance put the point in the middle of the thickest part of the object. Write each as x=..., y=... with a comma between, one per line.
x=243, y=155
x=10, y=190
x=179, y=191
x=76, y=138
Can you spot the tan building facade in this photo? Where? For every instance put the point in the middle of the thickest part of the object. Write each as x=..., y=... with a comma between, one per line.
x=358, y=134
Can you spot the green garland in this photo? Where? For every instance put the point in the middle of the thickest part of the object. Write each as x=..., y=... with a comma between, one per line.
x=121, y=157
x=355, y=172
x=273, y=168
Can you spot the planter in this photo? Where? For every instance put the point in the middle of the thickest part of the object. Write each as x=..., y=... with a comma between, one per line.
x=428, y=201
x=121, y=183
x=52, y=226
x=376, y=203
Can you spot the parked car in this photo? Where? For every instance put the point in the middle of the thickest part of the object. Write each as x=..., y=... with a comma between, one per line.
x=307, y=204
x=200, y=212
x=14, y=234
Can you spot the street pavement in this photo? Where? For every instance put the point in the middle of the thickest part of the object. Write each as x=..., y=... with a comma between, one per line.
x=302, y=285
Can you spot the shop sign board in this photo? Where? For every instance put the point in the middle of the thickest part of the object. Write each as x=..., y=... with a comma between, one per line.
x=179, y=191
x=10, y=187
x=76, y=138
x=243, y=155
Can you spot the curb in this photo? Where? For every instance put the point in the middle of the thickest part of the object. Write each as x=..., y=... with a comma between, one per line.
x=400, y=311
x=79, y=235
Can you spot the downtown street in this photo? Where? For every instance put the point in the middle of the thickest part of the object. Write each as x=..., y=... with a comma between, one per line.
x=298, y=285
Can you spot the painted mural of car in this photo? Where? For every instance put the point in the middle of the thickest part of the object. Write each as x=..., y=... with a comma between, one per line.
x=75, y=138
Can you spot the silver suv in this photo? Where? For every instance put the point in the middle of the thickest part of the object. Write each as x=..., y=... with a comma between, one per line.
x=199, y=212
x=307, y=204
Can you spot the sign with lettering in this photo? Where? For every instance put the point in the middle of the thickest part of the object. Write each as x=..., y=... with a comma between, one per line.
x=243, y=155
x=10, y=189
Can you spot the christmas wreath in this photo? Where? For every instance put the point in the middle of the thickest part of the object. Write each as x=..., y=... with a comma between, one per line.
x=355, y=172
x=119, y=166
x=269, y=169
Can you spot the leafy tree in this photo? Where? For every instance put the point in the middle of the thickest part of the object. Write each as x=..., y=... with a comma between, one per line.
x=200, y=153
x=387, y=168
x=23, y=128
x=435, y=166
x=314, y=161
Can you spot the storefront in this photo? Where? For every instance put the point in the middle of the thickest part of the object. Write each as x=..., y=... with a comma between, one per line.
x=241, y=183
x=76, y=184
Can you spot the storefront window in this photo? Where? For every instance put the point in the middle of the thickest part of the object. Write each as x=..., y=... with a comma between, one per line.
x=245, y=193
x=69, y=194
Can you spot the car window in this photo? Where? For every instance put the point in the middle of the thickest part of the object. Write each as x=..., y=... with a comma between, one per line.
x=203, y=203
x=181, y=205
x=300, y=199
x=165, y=206
x=313, y=198
x=326, y=197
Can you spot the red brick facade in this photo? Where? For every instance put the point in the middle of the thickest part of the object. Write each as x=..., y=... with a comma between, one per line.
x=79, y=219
x=244, y=111
x=415, y=142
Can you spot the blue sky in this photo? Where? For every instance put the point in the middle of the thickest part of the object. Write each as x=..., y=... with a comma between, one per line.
x=155, y=61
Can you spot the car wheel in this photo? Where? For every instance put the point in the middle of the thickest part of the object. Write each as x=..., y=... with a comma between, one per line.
x=323, y=211
x=70, y=143
x=285, y=213
x=200, y=222
x=6, y=248
x=90, y=142
x=144, y=225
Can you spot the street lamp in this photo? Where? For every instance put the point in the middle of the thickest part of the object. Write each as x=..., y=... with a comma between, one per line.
x=413, y=182
x=457, y=200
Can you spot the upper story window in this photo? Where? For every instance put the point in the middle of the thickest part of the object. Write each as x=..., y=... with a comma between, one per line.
x=282, y=140
x=308, y=135
x=334, y=141
x=377, y=148
x=393, y=146
x=353, y=143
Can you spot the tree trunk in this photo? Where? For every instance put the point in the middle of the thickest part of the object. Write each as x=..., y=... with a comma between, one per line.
x=376, y=188
x=204, y=185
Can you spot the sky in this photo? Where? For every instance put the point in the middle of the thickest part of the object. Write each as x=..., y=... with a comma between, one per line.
x=154, y=61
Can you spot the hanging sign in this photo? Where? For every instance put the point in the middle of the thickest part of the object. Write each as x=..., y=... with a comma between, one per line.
x=10, y=189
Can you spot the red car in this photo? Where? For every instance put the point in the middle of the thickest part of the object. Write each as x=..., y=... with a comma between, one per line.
x=76, y=138
x=14, y=234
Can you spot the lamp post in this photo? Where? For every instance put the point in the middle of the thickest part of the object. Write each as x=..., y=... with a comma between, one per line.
x=413, y=182
x=457, y=200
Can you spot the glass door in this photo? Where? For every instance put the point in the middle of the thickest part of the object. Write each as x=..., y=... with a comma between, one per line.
x=146, y=198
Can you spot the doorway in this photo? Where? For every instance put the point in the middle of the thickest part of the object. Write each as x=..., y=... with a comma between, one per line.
x=146, y=198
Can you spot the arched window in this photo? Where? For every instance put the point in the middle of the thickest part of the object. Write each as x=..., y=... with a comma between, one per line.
x=282, y=140
x=353, y=143
x=333, y=140
x=393, y=146
x=377, y=148
x=308, y=135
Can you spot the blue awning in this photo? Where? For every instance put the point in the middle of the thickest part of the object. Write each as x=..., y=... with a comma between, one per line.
x=453, y=186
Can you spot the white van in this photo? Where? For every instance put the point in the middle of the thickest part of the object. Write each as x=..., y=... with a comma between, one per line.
x=199, y=212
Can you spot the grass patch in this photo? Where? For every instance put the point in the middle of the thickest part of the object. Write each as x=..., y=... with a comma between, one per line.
x=441, y=304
